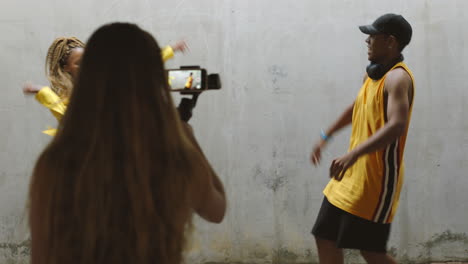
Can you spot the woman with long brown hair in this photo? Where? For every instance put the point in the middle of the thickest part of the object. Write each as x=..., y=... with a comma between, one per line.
x=62, y=67
x=122, y=177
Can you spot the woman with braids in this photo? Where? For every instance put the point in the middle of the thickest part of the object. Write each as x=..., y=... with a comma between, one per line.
x=124, y=191
x=62, y=66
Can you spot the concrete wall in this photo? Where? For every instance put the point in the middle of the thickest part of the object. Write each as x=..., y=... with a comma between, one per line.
x=288, y=69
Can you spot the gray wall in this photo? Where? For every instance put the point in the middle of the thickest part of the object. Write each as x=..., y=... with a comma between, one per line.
x=288, y=69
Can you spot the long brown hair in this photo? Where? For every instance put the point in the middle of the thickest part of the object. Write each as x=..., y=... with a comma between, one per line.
x=113, y=185
x=61, y=82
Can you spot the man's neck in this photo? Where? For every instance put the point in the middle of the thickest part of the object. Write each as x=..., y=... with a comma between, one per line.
x=389, y=59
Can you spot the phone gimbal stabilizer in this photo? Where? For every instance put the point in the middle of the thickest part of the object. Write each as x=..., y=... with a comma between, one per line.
x=208, y=82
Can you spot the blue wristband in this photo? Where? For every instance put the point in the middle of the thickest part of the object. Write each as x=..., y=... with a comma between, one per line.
x=324, y=136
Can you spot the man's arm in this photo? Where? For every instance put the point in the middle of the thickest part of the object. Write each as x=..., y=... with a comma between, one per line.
x=346, y=117
x=397, y=87
x=344, y=120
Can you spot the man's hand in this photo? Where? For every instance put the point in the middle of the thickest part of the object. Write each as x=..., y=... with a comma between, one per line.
x=180, y=46
x=344, y=120
x=340, y=165
x=316, y=155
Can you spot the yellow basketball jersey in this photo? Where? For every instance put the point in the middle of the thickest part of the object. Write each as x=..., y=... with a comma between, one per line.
x=371, y=188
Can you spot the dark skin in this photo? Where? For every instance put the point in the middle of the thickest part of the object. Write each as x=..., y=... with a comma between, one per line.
x=398, y=91
x=74, y=61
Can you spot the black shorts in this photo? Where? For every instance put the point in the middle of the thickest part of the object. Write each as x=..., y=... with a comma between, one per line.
x=350, y=231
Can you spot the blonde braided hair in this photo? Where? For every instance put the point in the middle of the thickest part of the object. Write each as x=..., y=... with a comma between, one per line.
x=61, y=82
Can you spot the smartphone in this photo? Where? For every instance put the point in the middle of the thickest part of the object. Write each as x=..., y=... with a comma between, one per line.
x=187, y=80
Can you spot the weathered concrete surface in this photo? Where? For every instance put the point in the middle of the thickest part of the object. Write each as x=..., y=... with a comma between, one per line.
x=288, y=69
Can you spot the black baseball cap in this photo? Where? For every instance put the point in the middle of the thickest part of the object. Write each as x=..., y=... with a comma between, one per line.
x=390, y=24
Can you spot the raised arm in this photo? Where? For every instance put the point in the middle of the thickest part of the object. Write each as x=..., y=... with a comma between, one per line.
x=168, y=52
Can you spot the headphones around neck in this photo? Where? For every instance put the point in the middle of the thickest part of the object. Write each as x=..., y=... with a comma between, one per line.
x=376, y=71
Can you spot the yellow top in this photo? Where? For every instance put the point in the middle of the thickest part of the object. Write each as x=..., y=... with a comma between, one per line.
x=167, y=53
x=188, y=84
x=371, y=188
x=54, y=103
x=58, y=106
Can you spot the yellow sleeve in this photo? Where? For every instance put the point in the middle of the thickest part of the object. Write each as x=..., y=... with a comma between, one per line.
x=52, y=101
x=167, y=53
x=51, y=132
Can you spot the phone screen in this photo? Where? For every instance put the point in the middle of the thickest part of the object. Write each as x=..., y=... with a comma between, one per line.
x=186, y=79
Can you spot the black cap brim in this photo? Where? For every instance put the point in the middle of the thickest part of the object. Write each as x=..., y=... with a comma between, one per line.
x=369, y=30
